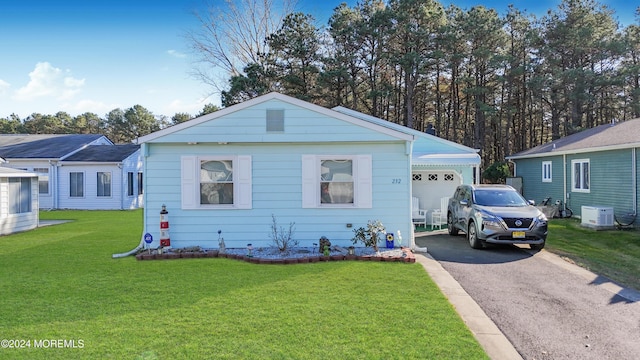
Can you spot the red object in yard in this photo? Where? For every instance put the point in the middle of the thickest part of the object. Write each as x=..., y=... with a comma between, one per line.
x=165, y=240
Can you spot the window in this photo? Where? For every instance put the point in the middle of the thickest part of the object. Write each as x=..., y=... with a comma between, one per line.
x=416, y=177
x=448, y=177
x=140, y=187
x=216, y=182
x=336, y=181
x=19, y=195
x=432, y=177
x=580, y=175
x=130, y=183
x=546, y=171
x=104, y=184
x=76, y=184
x=43, y=180
x=210, y=182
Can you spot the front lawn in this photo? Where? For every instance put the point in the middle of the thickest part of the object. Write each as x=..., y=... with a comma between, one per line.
x=611, y=253
x=60, y=283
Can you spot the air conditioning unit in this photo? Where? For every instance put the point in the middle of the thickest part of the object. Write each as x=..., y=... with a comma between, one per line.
x=597, y=217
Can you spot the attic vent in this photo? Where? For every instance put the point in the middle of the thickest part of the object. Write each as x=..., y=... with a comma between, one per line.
x=275, y=120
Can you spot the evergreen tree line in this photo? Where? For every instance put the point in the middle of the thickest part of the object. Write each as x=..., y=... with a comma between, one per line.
x=120, y=126
x=501, y=84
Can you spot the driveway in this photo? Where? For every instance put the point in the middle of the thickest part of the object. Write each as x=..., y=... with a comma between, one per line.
x=547, y=307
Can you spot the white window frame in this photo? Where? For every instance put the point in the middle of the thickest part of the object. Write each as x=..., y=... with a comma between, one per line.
x=362, y=181
x=130, y=184
x=547, y=175
x=582, y=187
x=43, y=177
x=20, y=195
x=190, y=182
x=109, y=177
x=82, y=187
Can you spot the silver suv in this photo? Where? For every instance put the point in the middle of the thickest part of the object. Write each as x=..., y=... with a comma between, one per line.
x=495, y=214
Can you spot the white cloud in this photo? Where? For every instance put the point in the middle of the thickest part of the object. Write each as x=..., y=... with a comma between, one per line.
x=96, y=107
x=4, y=86
x=48, y=81
x=177, y=54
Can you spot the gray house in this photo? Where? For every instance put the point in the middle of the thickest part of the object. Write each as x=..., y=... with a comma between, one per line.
x=594, y=169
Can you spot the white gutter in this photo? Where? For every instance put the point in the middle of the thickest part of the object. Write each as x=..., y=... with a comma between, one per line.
x=564, y=181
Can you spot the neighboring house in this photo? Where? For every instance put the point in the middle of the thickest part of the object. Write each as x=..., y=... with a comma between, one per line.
x=277, y=157
x=102, y=177
x=597, y=167
x=46, y=155
x=18, y=200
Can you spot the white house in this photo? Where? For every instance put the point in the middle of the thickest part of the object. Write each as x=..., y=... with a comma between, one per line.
x=101, y=177
x=274, y=156
x=73, y=174
x=18, y=200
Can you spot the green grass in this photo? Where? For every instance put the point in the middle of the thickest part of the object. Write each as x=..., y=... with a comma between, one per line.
x=611, y=253
x=60, y=282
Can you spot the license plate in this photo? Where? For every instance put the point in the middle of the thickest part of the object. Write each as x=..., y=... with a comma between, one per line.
x=518, y=234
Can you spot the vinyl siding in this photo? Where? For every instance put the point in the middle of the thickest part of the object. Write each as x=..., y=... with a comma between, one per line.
x=533, y=187
x=276, y=190
x=11, y=223
x=610, y=183
x=249, y=126
x=90, y=200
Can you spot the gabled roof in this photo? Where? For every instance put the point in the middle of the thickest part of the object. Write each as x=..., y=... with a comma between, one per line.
x=621, y=135
x=40, y=146
x=104, y=153
x=398, y=133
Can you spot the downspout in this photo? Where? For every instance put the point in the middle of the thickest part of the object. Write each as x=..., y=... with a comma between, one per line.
x=564, y=183
x=144, y=219
x=634, y=178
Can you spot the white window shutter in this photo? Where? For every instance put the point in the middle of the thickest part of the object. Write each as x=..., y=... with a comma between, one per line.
x=310, y=183
x=242, y=182
x=189, y=186
x=364, y=186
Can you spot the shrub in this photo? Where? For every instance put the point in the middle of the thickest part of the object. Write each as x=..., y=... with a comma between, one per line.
x=281, y=238
x=369, y=236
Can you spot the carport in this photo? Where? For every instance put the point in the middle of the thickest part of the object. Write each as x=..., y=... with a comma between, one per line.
x=436, y=176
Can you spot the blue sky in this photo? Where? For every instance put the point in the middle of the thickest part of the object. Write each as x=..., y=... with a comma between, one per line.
x=96, y=55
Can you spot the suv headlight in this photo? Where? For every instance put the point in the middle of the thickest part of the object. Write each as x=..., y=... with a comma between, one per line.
x=541, y=220
x=490, y=220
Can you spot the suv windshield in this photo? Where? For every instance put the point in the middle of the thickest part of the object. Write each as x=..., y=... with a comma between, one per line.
x=499, y=198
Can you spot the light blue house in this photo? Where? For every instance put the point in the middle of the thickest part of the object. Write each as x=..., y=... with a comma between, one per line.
x=594, y=168
x=329, y=171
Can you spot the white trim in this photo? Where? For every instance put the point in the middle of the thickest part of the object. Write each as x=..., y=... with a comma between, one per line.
x=362, y=181
x=547, y=171
x=190, y=182
x=573, y=175
x=403, y=134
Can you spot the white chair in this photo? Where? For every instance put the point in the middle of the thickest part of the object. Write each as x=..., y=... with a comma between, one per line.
x=418, y=216
x=438, y=216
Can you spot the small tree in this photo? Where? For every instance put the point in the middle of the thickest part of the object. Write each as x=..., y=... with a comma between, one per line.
x=281, y=238
x=497, y=173
x=369, y=236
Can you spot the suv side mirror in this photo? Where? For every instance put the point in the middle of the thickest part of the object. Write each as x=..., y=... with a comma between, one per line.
x=464, y=202
x=532, y=202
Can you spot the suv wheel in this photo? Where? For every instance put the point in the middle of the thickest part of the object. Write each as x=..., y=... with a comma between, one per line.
x=453, y=231
x=472, y=236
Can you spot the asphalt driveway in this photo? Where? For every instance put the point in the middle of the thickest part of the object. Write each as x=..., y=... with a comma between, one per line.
x=546, y=307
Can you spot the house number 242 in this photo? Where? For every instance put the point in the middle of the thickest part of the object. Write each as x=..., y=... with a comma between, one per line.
x=396, y=181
